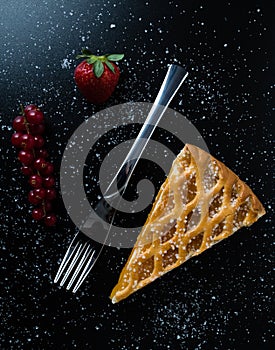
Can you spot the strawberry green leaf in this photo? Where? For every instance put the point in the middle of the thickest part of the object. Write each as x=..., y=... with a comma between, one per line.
x=115, y=57
x=98, y=68
x=91, y=60
x=110, y=66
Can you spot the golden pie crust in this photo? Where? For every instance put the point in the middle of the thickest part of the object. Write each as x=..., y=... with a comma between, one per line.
x=200, y=203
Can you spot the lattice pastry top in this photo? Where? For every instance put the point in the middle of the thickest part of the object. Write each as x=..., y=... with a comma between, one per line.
x=200, y=203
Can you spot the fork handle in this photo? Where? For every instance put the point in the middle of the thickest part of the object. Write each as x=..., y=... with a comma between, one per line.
x=175, y=76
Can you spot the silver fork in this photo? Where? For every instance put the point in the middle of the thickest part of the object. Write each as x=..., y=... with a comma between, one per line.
x=84, y=252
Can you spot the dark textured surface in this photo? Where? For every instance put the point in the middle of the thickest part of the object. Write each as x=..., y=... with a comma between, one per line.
x=219, y=300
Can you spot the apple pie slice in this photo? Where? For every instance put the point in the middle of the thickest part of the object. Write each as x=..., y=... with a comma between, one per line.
x=200, y=203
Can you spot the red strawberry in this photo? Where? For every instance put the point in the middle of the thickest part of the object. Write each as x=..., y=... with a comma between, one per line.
x=97, y=76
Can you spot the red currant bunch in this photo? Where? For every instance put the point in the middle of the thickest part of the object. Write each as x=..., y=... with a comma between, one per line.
x=29, y=128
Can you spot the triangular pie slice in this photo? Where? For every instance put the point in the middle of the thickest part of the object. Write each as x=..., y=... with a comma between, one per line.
x=200, y=203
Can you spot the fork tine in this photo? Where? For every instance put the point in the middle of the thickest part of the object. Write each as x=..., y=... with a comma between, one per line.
x=74, y=261
x=84, y=257
x=79, y=254
x=67, y=257
x=86, y=271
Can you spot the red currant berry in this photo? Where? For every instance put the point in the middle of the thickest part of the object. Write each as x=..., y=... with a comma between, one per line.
x=48, y=169
x=35, y=117
x=49, y=181
x=47, y=205
x=50, y=220
x=26, y=170
x=38, y=214
x=50, y=194
x=37, y=129
x=40, y=164
x=42, y=153
x=38, y=141
x=19, y=123
x=32, y=198
x=30, y=107
x=25, y=157
x=36, y=181
x=39, y=193
x=27, y=141
x=15, y=139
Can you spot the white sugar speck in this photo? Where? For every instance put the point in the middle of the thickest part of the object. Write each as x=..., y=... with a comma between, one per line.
x=66, y=63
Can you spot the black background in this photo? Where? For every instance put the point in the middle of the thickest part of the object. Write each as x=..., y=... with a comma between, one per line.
x=219, y=300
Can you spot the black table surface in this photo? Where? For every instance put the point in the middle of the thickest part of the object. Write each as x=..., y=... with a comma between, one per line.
x=219, y=300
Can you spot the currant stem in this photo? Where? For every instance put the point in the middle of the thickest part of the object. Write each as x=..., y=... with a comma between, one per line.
x=25, y=119
x=22, y=109
x=43, y=207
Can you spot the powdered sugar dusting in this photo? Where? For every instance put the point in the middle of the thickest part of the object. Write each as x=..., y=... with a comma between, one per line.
x=223, y=298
